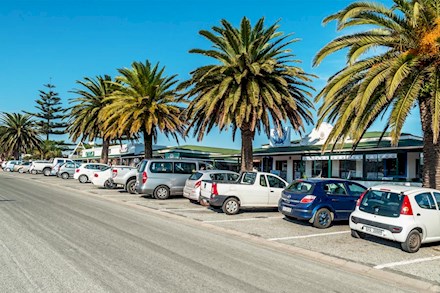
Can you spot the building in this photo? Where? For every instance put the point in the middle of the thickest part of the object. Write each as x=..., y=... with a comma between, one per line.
x=373, y=160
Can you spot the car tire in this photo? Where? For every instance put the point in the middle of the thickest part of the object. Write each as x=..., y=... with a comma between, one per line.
x=130, y=187
x=34, y=172
x=83, y=178
x=7, y=170
x=161, y=192
x=65, y=175
x=358, y=234
x=231, y=206
x=46, y=171
x=322, y=219
x=20, y=171
x=413, y=242
x=109, y=185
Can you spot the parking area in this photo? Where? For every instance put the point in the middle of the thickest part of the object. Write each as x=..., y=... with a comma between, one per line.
x=268, y=224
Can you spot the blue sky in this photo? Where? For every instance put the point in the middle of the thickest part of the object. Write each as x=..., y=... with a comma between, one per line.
x=65, y=41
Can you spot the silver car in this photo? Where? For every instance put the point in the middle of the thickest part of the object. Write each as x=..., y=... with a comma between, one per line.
x=162, y=178
x=67, y=170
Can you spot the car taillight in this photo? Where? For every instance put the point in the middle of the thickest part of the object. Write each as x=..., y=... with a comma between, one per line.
x=214, y=190
x=77, y=170
x=308, y=199
x=198, y=183
x=144, y=177
x=96, y=175
x=358, y=202
x=406, y=207
x=114, y=173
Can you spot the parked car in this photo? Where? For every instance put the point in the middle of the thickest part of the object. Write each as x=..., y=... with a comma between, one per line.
x=162, y=178
x=126, y=176
x=67, y=170
x=9, y=166
x=4, y=164
x=102, y=178
x=20, y=166
x=252, y=189
x=24, y=168
x=408, y=215
x=194, y=182
x=84, y=172
x=45, y=167
x=320, y=201
x=55, y=169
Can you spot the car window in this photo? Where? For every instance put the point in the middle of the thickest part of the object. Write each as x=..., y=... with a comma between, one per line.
x=90, y=167
x=382, y=203
x=103, y=168
x=355, y=189
x=335, y=188
x=425, y=201
x=300, y=187
x=249, y=178
x=196, y=176
x=437, y=198
x=161, y=167
x=202, y=166
x=275, y=182
x=184, y=168
x=233, y=177
x=218, y=176
x=141, y=166
x=263, y=181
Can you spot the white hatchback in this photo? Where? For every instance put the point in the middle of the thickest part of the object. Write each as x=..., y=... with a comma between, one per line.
x=408, y=215
x=85, y=172
x=102, y=178
x=193, y=183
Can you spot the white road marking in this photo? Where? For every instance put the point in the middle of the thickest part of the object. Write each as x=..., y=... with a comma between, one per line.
x=407, y=262
x=181, y=210
x=240, y=220
x=308, y=236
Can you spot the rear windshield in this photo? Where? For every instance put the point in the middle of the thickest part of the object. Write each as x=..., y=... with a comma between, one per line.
x=141, y=166
x=382, y=203
x=300, y=187
x=249, y=178
x=196, y=176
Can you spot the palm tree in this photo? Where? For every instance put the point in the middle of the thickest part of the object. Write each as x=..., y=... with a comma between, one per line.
x=84, y=118
x=403, y=72
x=18, y=134
x=144, y=102
x=252, y=84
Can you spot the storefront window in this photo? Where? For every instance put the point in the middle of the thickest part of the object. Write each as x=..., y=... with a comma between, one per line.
x=319, y=168
x=347, y=169
x=374, y=168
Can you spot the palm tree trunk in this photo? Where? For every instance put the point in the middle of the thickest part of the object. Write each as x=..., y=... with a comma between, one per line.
x=431, y=150
x=247, y=137
x=148, y=145
x=104, y=153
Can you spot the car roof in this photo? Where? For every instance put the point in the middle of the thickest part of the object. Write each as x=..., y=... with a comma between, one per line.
x=402, y=188
x=320, y=179
x=216, y=171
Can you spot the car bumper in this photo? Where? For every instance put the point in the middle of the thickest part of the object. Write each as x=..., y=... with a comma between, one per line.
x=217, y=201
x=141, y=190
x=191, y=193
x=295, y=212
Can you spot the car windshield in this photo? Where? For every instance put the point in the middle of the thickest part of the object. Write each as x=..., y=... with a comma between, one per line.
x=300, y=187
x=382, y=203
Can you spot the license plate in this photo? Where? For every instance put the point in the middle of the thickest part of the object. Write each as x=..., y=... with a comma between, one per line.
x=287, y=209
x=373, y=230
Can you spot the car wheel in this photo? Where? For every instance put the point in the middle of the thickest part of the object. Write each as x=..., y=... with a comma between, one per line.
x=162, y=192
x=323, y=219
x=83, y=178
x=231, y=206
x=131, y=187
x=46, y=172
x=20, y=171
x=65, y=175
x=413, y=242
x=109, y=184
x=8, y=170
x=357, y=234
x=34, y=172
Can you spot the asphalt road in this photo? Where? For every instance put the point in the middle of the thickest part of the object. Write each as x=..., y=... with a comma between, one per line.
x=57, y=240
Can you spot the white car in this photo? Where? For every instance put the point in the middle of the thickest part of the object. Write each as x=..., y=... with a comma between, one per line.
x=194, y=182
x=102, y=178
x=409, y=215
x=85, y=172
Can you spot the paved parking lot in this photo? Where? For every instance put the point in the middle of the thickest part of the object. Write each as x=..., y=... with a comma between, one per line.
x=335, y=241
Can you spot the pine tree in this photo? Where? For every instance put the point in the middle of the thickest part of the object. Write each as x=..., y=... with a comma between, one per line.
x=50, y=114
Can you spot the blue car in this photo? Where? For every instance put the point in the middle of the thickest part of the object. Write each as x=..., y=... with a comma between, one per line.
x=320, y=201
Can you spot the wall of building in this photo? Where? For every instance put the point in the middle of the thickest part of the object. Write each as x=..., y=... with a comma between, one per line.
x=411, y=165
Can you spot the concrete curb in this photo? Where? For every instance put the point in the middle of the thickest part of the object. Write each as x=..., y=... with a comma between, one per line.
x=387, y=276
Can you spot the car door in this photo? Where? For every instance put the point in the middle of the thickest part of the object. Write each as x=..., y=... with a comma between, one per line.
x=339, y=199
x=354, y=190
x=427, y=215
x=276, y=186
x=253, y=191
